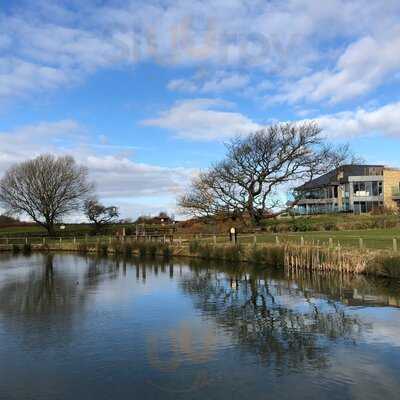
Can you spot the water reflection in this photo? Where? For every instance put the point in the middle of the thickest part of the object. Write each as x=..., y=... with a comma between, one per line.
x=284, y=326
x=156, y=330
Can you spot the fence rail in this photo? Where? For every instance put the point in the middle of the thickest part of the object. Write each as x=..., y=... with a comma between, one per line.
x=315, y=238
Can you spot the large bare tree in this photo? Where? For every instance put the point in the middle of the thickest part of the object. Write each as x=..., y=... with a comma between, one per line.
x=257, y=168
x=46, y=189
x=99, y=214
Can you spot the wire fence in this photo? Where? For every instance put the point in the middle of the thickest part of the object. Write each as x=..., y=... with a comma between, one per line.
x=345, y=239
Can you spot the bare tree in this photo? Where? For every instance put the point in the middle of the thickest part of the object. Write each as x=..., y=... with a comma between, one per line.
x=99, y=214
x=46, y=189
x=258, y=168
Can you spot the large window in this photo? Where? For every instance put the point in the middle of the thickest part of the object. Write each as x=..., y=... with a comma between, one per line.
x=367, y=188
x=361, y=207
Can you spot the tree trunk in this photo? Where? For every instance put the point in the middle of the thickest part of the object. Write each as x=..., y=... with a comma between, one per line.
x=50, y=229
x=255, y=216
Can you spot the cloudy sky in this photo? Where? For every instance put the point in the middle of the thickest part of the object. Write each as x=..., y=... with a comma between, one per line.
x=146, y=92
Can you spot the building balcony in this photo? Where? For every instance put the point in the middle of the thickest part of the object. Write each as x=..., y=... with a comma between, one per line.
x=317, y=201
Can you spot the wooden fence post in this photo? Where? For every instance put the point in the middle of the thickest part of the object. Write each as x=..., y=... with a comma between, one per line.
x=277, y=239
x=361, y=243
x=394, y=244
x=330, y=242
x=255, y=240
x=215, y=239
x=302, y=241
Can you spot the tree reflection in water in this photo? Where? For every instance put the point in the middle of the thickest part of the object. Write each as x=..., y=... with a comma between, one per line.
x=48, y=290
x=263, y=317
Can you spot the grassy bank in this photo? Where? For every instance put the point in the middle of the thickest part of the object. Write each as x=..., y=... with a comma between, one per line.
x=314, y=256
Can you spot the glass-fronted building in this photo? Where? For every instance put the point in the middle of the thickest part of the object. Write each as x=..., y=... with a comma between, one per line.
x=350, y=188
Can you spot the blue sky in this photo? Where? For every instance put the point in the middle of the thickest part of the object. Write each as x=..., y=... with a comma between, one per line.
x=146, y=93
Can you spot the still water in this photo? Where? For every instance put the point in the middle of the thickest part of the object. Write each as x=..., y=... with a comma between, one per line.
x=73, y=327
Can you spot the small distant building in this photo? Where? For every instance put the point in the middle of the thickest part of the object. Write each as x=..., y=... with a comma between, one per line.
x=161, y=220
x=351, y=188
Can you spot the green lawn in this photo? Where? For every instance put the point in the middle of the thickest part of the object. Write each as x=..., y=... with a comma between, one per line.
x=38, y=230
x=371, y=238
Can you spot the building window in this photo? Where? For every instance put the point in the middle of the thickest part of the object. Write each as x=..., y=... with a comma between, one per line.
x=364, y=189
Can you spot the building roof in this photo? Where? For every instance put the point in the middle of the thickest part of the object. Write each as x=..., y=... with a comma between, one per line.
x=341, y=175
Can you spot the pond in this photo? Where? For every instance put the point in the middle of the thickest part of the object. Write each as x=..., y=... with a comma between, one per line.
x=75, y=327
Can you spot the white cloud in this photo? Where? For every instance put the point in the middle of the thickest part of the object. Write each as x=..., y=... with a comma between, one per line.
x=365, y=65
x=203, y=119
x=219, y=82
x=19, y=78
x=53, y=45
x=117, y=177
x=384, y=120
x=123, y=178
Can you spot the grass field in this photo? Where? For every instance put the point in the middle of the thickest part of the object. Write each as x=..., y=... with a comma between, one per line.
x=348, y=235
x=38, y=230
x=371, y=238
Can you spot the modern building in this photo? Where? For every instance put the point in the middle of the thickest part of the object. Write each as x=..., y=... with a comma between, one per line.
x=351, y=188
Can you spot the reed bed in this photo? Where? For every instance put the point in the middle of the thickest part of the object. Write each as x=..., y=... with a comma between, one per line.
x=267, y=255
x=335, y=258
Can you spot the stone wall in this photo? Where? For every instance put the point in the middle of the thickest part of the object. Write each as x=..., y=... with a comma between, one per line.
x=391, y=179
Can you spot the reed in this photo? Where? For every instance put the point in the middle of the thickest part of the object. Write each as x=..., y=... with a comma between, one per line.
x=233, y=253
x=270, y=256
x=322, y=258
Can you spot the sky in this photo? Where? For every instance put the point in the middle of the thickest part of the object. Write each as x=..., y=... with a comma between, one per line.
x=146, y=93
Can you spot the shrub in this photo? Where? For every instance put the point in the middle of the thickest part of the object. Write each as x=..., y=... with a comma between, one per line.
x=330, y=226
x=152, y=249
x=117, y=246
x=233, y=253
x=82, y=247
x=102, y=249
x=384, y=222
x=219, y=253
x=205, y=252
x=385, y=265
x=142, y=247
x=166, y=251
x=127, y=249
x=194, y=246
x=270, y=256
x=302, y=225
x=256, y=255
